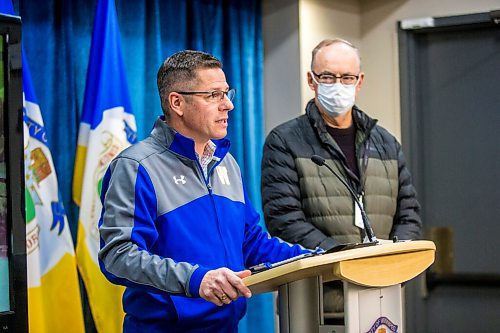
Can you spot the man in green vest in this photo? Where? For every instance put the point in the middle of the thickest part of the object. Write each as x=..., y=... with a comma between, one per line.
x=307, y=204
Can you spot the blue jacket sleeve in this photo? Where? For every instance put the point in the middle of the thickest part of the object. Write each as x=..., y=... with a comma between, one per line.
x=259, y=246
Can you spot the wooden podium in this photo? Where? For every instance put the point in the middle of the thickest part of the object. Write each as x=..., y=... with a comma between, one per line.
x=372, y=279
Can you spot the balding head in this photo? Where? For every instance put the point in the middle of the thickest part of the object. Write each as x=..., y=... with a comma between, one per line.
x=339, y=43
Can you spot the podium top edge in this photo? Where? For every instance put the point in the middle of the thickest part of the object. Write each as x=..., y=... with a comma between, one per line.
x=320, y=261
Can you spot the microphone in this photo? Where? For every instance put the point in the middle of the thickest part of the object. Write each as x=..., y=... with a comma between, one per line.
x=368, y=228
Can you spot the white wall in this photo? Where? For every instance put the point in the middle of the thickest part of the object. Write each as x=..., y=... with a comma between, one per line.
x=280, y=25
x=370, y=24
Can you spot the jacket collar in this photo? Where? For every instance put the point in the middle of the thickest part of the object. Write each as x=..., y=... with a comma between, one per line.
x=168, y=137
x=364, y=124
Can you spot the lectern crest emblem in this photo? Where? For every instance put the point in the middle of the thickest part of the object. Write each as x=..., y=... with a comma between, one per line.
x=383, y=325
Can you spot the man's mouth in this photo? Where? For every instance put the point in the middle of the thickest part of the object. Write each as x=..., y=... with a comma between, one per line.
x=222, y=121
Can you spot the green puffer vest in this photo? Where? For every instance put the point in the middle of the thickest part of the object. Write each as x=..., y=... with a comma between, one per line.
x=296, y=192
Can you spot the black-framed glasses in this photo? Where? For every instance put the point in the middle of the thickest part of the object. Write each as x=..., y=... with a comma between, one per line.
x=214, y=95
x=345, y=79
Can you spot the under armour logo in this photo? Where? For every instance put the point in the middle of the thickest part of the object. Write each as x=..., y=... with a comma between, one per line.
x=180, y=180
x=222, y=173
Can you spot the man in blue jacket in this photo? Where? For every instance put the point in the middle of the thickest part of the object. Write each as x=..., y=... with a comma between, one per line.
x=177, y=228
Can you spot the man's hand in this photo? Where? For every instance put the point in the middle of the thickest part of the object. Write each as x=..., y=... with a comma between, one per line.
x=222, y=286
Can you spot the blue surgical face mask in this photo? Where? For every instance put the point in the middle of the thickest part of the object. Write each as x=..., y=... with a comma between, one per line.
x=335, y=98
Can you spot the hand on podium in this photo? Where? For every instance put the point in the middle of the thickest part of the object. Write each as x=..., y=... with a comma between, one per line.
x=222, y=286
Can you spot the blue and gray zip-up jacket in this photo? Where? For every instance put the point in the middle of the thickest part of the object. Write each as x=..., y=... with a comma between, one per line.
x=164, y=225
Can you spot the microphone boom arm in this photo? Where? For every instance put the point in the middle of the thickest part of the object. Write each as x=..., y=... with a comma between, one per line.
x=368, y=228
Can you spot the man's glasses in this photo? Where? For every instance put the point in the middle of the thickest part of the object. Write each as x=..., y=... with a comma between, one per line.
x=214, y=95
x=345, y=79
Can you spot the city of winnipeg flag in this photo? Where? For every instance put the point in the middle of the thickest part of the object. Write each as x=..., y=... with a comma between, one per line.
x=107, y=127
x=54, y=304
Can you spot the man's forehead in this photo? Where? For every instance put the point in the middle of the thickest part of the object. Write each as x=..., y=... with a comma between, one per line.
x=211, y=76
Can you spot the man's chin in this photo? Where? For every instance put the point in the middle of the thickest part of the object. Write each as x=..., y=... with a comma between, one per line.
x=219, y=136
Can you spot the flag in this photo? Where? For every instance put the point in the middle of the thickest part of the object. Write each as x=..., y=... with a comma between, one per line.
x=107, y=127
x=54, y=302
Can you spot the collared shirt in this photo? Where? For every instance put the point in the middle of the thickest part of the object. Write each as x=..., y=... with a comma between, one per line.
x=207, y=157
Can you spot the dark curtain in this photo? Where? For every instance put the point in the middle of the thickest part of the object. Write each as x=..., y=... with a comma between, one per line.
x=57, y=37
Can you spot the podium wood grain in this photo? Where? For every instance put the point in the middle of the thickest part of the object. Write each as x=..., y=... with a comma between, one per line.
x=375, y=266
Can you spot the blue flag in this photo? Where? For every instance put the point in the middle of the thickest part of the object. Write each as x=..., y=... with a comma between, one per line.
x=107, y=127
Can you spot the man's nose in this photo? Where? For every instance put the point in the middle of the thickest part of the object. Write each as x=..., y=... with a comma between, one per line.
x=227, y=104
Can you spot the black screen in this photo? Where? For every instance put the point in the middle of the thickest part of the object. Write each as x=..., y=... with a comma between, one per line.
x=4, y=247
x=13, y=280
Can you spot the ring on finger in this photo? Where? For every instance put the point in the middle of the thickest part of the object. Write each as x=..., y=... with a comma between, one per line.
x=223, y=297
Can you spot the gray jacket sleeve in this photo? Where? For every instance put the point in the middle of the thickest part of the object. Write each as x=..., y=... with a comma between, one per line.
x=407, y=223
x=127, y=231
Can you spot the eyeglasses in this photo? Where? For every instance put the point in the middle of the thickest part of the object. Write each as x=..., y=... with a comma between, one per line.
x=214, y=95
x=345, y=79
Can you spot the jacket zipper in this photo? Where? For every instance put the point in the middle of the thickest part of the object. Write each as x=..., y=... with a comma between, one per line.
x=210, y=192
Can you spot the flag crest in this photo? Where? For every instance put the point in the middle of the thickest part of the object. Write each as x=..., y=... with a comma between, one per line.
x=49, y=246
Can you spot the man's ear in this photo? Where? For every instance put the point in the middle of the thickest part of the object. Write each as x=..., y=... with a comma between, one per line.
x=310, y=81
x=175, y=102
x=360, y=82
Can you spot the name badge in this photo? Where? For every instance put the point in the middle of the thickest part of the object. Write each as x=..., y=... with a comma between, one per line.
x=358, y=218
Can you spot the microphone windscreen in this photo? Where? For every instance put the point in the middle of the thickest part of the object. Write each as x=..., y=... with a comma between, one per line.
x=318, y=160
